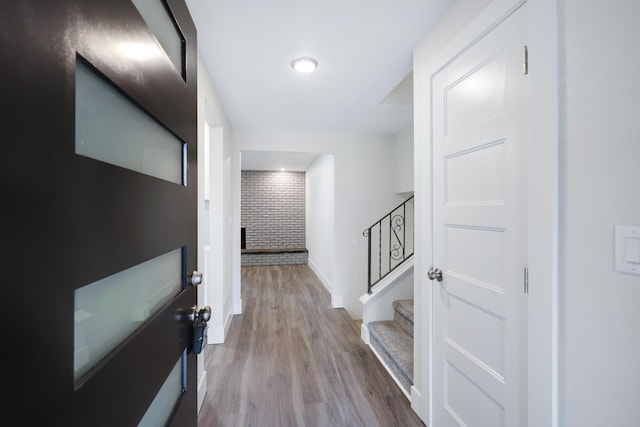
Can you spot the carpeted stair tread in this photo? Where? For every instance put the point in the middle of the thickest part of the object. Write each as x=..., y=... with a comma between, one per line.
x=395, y=346
x=403, y=314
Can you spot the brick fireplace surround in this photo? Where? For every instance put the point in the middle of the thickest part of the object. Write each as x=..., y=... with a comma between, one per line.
x=273, y=217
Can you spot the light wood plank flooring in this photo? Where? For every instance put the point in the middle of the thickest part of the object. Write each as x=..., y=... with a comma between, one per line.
x=292, y=360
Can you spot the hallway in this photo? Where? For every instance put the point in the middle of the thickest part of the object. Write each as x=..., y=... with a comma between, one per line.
x=293, y=360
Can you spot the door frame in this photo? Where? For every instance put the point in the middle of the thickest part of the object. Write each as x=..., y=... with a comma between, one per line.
x=543, y=206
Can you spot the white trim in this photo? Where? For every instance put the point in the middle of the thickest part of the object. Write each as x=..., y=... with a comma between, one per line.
x=364, y=333
x=381, y=286
x=218, y=335
x=205, y=273
x=323, y=279
x=237, y=307
x=543, y=213
x=236, y=221
x=337, y=301
x=202, y=389
x=490, y=17
x=215, y=335
x=390, y=372
x=422, y=371
x=416, y=402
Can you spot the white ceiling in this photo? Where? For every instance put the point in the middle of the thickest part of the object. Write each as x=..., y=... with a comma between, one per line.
x=277, y=160
x=364, y=48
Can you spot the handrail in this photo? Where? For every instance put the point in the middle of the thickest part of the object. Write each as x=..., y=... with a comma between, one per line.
x=399, y=206
x=396, y=243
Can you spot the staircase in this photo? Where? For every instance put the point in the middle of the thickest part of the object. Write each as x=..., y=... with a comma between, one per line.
x=392, y=342
x=390, y=293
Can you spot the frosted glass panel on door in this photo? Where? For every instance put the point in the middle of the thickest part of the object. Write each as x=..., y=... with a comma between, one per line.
x=109, y=310
x=157, y=17
x=160, y=409
x=112, y=129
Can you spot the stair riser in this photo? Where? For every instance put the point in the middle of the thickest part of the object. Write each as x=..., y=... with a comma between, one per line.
x=405, y=324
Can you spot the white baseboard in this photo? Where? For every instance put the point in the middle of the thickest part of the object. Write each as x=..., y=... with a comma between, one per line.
x=217, y=335
x=418, y=404
x=237, y=307
x=337, y=301
x=323, y=279
x=202, y=389
x=364, y=333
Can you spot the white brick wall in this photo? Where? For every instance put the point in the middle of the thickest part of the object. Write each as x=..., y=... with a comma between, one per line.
x=273, y=213
x=273, y=209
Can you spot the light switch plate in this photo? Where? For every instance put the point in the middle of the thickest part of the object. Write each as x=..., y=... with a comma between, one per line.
x=627, y=250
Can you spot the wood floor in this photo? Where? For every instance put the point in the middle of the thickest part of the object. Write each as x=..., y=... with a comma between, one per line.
x=292, y=360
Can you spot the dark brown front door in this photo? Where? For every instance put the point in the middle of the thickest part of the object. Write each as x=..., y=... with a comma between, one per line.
x=71, y=220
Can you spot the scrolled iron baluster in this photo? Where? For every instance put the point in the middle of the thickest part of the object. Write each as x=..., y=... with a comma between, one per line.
x=395, y=253
x=396, y=243
x=397, y=224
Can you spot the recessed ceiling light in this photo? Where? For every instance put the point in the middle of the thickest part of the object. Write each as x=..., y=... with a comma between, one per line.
x=282, y=169
x=305, y=64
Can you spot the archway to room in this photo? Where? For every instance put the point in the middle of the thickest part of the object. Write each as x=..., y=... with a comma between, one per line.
x=287, y=213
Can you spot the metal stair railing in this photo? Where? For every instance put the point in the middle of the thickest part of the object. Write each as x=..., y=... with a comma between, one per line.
x=390, y=242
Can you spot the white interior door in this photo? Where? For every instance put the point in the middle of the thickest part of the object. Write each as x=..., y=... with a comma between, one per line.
x=479, y=215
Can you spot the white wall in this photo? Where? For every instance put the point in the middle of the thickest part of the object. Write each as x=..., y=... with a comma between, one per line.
x=214, y=222
x=363, y=193
x=600, y=314
x=320, y=217
x=404, y=161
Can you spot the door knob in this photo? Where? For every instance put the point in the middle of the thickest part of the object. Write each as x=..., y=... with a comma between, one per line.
x=203, y=314
x=435, y=274
x=195, y=278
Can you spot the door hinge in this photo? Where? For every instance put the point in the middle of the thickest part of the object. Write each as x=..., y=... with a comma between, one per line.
x=525, y=63
x=526, y=280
